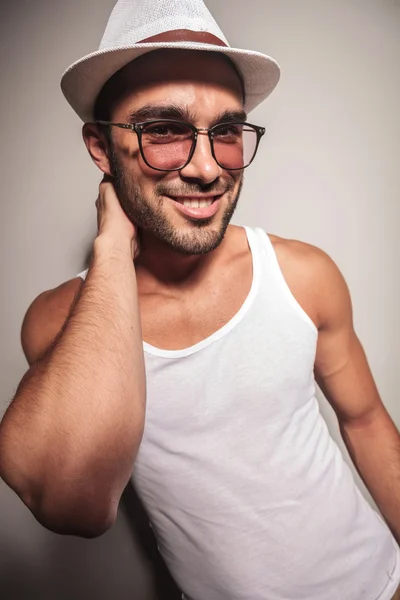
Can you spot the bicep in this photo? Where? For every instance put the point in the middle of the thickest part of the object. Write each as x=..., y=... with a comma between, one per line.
x=45, y=319
x=341, y=366
x=348, y=385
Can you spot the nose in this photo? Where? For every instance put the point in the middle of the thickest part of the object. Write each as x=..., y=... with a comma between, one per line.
x=202, y=166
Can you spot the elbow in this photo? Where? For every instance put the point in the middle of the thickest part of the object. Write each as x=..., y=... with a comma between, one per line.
x=66, y=505
x=76, y=517
x=88, y=528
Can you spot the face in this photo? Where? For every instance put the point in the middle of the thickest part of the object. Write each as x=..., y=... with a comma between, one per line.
x=199, y=88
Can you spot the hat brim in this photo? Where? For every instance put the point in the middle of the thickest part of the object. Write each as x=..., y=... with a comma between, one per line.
x=83, y=80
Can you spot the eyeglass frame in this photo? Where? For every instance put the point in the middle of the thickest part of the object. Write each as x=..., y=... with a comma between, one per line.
x=138, y=129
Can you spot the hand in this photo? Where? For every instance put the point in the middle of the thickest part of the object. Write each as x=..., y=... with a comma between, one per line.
x=112, y=220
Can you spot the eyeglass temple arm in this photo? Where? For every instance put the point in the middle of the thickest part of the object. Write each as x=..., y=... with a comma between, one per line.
x=122, y=125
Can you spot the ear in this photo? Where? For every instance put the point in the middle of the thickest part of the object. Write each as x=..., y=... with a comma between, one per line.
x=96, y=144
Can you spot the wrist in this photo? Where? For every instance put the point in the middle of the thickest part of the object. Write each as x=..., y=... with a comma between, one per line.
x=106, y=246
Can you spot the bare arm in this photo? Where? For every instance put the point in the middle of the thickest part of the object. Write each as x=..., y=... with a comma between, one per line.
x=343, y=373
x=69, y=438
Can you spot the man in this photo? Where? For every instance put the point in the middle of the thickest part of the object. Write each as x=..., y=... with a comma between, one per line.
x=188, y=355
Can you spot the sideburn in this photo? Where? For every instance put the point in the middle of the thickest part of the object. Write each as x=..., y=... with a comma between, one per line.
x=118, y=177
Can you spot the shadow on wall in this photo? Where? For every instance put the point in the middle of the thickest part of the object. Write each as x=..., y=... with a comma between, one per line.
x=165, y=586
x=123, y=564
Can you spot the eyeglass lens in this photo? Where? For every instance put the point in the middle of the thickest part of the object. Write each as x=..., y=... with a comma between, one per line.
x=168, y=145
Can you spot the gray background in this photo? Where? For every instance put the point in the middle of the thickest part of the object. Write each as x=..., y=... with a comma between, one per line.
x=327, y=173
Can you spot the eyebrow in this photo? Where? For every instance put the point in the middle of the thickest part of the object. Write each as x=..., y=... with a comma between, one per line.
x=173, y=111
x=230, y=116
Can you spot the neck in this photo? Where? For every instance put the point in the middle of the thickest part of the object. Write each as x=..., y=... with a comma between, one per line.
x=159, y=265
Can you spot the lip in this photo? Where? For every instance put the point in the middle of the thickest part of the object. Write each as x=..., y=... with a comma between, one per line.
x=198, y=213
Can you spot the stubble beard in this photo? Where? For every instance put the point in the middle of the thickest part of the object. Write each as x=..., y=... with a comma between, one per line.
x=150, y=216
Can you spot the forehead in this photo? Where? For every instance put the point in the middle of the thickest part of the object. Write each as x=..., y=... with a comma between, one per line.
x=204, y=80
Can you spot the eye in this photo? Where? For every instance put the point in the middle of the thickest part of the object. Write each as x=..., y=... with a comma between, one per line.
x=228, y=131
x=164, y=131
x=157, y=130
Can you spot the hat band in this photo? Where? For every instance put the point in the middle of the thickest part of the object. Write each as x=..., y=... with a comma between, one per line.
x=184, y=35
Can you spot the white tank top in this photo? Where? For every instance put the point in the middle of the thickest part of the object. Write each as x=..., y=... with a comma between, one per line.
x=249, y=496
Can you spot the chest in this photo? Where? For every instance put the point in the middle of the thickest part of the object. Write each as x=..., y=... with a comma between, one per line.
x=180, y=320
x=176, y=320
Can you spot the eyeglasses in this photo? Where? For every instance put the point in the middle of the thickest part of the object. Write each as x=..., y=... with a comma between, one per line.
x=169, y=145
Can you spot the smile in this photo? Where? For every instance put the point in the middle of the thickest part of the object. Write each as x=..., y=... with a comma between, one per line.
x=195, y=202
x=199, y=207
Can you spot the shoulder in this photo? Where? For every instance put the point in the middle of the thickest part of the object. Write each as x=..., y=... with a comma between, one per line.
x=45, y=318
x=301, y=253
x=314, y=276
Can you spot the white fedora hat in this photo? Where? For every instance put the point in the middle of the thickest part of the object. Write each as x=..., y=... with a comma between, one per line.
x=136, y=27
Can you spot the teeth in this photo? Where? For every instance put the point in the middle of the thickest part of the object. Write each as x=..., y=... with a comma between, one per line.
x=197, y=203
